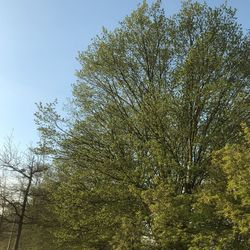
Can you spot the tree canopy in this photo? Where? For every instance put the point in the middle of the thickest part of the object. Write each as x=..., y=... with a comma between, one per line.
x=153, y=155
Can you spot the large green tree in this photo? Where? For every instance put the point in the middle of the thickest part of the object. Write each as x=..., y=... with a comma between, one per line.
x=153, y=100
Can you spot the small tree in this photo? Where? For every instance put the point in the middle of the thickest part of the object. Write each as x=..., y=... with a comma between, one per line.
x=224, y=201
x=23, y=169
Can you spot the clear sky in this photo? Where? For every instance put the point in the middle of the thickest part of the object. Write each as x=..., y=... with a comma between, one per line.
x=39, y=40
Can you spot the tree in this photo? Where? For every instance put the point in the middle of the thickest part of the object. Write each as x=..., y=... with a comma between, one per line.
x=26, y=168
x=154, y=99
x=225, y=198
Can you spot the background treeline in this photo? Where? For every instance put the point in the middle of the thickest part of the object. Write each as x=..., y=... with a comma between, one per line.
x=154, y=153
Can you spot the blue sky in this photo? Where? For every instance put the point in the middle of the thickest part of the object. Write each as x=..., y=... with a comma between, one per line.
x=39, y=40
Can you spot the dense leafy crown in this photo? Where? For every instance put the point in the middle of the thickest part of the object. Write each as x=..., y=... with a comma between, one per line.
x=154, y=98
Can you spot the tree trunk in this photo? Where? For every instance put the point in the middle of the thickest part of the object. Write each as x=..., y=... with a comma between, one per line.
x=21, y=217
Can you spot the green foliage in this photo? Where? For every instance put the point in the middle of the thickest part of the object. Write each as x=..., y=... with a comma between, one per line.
x=153, y=100
x=226, y=197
